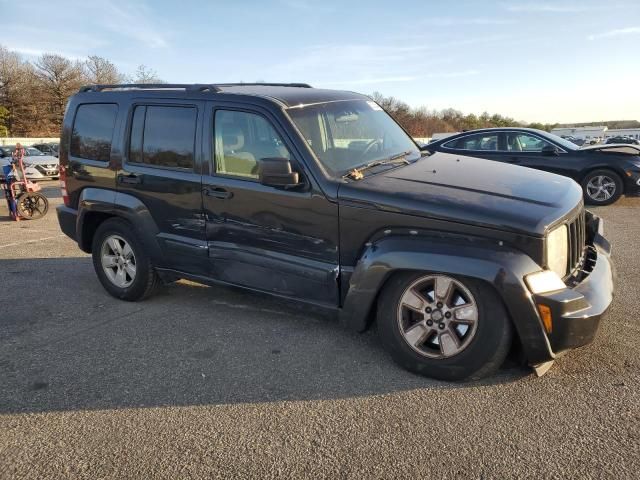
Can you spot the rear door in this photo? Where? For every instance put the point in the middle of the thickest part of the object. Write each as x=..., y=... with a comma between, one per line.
x=271, y=239
x=161, y=167
x=482, y=145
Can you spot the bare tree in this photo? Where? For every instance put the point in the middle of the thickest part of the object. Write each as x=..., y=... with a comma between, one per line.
x=101, y=70
x=145, y=74
x=59, y=78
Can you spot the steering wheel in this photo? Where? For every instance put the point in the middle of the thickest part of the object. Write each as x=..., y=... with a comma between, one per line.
x=376, y=142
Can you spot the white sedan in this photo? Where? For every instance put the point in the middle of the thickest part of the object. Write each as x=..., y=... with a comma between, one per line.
x=37, y=165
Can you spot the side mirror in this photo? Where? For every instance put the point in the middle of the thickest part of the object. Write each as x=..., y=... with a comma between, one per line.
x=550, y=150
x=277, y=172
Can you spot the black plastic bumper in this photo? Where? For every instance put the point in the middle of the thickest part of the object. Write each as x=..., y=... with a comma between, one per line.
x=577, y=312
x=67, y=218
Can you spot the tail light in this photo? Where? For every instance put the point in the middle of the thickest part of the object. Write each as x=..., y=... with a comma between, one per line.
x=63, y=185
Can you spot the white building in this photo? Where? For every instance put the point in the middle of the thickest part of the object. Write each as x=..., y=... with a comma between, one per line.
x=596, y=133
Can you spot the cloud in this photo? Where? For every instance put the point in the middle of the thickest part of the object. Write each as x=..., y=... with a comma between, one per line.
x=307, y=6
x=541, y=7
x=398, y=79
x=370, y=81
x=455, y=21
x=130, y=20
x=616, y=33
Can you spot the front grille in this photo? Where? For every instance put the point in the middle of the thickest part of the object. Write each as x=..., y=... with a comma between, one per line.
x=577, y=242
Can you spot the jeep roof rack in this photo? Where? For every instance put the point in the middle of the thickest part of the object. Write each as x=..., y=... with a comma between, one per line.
x=183, y=86
x=150, y=86
x=264, y=84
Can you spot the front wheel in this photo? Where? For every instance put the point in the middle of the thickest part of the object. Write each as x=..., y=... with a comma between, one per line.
x=445, y=327
x=602, y=187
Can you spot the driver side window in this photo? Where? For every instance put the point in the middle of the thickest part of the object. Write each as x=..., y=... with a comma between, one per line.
x=241, y=139
x=520, y=142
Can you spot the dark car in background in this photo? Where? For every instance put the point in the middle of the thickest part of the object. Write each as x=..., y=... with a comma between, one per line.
x=572, y=139
x=622, y=141
x=605, y=172
x=48, y=148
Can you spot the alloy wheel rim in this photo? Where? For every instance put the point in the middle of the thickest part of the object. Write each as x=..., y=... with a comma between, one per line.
x=601, y=188
x=118, y=261
x=437, y=316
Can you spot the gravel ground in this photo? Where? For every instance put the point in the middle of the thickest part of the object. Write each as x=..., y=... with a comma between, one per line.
x=216, y=382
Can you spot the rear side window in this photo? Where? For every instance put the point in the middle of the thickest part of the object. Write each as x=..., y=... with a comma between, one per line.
x=163, y=136
x=93, y=131
x=480, y=141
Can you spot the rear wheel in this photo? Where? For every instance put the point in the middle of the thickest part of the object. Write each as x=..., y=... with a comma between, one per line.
x=445, y=327
x=602, y=187
x=32, y=205
x=122, y=264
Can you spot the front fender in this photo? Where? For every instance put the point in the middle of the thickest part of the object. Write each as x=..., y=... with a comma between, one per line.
x=501, y=266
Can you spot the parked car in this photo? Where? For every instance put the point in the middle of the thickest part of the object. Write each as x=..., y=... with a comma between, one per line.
x=572, y=139
x=604, y=173
x=48, y=148
x=622, y=141
x=37, y=165
x=320, y=196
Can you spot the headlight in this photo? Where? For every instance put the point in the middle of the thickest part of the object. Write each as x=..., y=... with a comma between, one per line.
x=558, y=250
x=545, y=281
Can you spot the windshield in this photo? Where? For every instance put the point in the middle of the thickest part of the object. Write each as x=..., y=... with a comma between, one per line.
x=32, y=152
x=348, y=134
x=564, y=143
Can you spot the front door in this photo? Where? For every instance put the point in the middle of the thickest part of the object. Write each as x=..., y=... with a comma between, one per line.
x=526, y=149
x=271, y=239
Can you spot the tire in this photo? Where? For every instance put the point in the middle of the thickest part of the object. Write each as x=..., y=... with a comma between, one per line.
x=130, y=275
x=32, y=205
x=602, y=178
x=483, y=346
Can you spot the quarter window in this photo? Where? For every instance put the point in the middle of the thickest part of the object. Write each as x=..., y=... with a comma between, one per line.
x=163, y=136
x=480, y=141
x=93, y=131
x=241, y=139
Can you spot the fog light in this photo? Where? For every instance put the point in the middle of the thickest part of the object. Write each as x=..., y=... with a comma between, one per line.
x=545, y=315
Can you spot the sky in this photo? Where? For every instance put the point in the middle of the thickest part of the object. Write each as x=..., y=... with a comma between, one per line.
x=535, y=61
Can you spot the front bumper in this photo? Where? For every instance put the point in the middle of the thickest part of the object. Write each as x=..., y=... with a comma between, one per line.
x=576, y=312
x=632, y=186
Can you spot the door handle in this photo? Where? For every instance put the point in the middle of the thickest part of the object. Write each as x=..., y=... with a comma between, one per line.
x=514, y=160
x=217, y=192
x=130, y=179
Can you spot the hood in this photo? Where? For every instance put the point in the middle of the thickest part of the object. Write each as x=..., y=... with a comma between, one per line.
x=469, y=190
x=626, y=148
x=41, y=160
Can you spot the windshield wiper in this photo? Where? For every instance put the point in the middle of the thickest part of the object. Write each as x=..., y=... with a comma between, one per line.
x=356, y=172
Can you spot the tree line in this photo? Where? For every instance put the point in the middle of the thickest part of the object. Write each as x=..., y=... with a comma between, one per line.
x=422, y=122
x=34, y=94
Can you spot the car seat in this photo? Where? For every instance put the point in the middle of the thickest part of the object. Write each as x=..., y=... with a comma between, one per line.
x=235, y=160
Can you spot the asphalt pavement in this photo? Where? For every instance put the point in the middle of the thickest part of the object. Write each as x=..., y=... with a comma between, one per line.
x=214, y=382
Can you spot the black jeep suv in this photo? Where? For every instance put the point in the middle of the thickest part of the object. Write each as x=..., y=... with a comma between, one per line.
x=320, y=196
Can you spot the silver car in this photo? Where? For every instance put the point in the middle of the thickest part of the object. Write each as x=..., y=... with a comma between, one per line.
x=37, y=165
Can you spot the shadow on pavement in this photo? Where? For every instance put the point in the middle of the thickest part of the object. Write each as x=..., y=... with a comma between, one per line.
x=66, y=345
